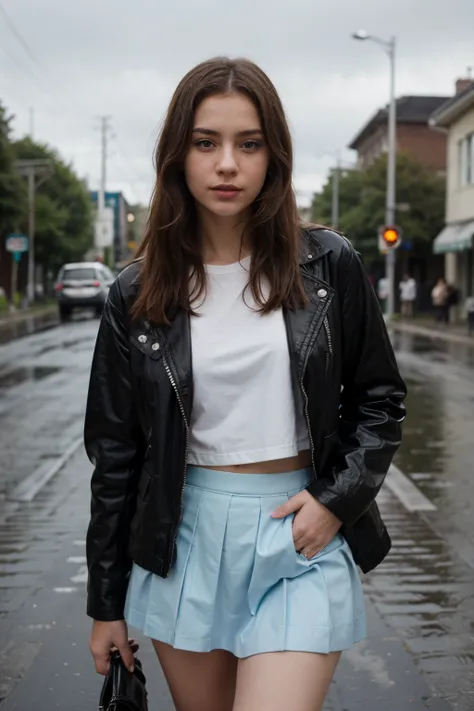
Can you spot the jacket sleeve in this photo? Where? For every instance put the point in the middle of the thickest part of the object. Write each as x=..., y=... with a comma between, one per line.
x=115, y=446
x=371, y=406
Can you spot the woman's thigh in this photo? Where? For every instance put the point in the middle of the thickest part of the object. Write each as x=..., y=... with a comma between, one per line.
x=284, y=681
x=198, y=681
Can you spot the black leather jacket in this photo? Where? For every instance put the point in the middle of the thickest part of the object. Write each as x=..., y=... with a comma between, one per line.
x=139, y=408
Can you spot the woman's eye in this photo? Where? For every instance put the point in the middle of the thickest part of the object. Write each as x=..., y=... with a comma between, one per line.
x=251, y=145
x=204, y=143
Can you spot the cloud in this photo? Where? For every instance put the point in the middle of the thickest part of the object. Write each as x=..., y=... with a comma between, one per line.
x=124, y=59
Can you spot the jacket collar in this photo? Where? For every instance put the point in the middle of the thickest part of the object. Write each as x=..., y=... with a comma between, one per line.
x=311, y=248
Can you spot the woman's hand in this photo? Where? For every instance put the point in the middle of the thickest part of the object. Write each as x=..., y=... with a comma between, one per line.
x=314, y=526
x=107, y=636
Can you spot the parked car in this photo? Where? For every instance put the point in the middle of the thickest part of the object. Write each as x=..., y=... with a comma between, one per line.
x=83, y=285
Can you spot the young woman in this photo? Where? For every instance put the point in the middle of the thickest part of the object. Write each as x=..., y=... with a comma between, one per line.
x=244, y=408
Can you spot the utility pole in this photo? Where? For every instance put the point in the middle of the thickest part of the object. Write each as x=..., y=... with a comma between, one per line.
x=336, y=172
x=36, y=172
x=391, y=180
x=32, y=122
x=389, y=47
x=101, y=226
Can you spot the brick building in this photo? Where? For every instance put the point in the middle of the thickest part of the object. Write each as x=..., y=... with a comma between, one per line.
x=456, y=241
x=414, y=135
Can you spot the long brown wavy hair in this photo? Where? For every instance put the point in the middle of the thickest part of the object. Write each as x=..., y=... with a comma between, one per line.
x=171, y=248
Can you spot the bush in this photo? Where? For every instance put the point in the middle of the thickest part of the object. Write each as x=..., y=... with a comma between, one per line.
x=3, y=304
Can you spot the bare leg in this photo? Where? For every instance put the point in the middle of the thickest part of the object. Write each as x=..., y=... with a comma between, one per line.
x=198, y=681
x=284, y=681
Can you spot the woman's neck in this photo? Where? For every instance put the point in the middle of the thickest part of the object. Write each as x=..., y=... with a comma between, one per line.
x=222, y=239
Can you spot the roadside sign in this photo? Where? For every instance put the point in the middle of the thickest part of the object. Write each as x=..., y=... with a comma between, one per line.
x=16, y=243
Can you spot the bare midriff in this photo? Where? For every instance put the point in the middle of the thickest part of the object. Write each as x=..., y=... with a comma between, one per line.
x=275, y=466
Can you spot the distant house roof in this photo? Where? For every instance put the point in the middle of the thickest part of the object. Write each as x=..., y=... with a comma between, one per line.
x=451, y=109
x=410, y=109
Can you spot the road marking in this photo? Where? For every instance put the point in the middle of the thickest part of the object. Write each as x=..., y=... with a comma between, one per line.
x=79, y=559
x=32, y=485
x=82, y=575
x=406, y=491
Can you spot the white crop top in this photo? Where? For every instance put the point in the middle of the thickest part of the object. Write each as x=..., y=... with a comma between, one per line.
x=243, y=405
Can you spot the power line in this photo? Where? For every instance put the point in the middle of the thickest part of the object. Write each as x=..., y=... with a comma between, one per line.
x=70, y=98
x=25, y=71
x=34, y=59
x=17, y=34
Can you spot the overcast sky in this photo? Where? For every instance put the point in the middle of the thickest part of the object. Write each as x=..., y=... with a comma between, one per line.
x=74, y=61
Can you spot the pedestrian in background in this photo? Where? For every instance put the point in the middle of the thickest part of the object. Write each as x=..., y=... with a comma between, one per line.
x=439, y=297
x=469, y=305
x=234, y=485
x=382, y=292
x=408, y=294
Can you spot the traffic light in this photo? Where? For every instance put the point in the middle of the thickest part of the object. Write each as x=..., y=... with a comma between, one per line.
x=389, y=238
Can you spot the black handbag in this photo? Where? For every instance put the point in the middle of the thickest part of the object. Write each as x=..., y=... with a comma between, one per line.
x=123, y=690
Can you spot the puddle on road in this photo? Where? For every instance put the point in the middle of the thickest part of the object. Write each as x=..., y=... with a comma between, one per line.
x=438, y=434
x=425, y=592
x=63, y=345
x=435, y=351
x=25, y=374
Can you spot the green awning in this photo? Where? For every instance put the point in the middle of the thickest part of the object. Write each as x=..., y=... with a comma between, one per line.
x=454, y=238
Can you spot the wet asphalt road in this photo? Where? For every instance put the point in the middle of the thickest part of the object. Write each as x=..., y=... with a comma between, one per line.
x=420, y=651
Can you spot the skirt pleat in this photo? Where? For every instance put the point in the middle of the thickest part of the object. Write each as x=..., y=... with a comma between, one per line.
x=239, y=584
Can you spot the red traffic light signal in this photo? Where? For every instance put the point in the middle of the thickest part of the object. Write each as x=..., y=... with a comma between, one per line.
x=390, y=237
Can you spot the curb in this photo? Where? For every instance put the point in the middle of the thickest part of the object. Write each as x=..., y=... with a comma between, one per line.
x=13, y=320
x=431, y=333
x=29, y=487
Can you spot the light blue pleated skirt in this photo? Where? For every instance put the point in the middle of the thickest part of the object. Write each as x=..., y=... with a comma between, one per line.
x=238, y=583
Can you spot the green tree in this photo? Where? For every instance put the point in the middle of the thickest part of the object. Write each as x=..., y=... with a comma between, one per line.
x=64, y=227
x=12, y=196
x=420, y=204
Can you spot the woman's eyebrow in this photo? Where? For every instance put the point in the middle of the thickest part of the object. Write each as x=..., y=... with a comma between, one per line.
x=211, y=132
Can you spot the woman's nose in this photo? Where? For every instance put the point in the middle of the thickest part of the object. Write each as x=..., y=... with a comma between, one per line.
x=227, y=161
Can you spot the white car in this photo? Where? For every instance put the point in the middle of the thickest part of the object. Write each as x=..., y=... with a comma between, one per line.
x=83, y=285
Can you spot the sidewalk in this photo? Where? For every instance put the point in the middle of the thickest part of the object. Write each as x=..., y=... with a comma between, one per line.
x=425, y=326
x=24, y=322
x=36, y=311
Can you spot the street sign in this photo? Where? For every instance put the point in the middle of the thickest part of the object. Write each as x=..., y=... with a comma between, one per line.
x=16, y=243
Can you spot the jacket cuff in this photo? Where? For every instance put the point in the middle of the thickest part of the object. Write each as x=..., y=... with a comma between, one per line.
x=335, y=503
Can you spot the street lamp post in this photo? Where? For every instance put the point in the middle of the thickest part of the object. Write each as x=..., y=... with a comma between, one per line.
x=389, y=47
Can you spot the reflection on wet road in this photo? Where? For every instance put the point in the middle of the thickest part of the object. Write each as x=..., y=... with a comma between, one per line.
x=438, y=442
x=43, y=385
x=24, y=327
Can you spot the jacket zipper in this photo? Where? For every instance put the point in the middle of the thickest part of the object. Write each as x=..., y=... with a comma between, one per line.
x=329, y=353
x=181, y=407
x=306, y=403
x=306, y=400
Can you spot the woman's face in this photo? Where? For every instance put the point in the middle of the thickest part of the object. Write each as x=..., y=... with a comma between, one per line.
x=227, y=161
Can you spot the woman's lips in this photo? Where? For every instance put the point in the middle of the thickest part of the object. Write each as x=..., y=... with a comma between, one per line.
x=226, y=192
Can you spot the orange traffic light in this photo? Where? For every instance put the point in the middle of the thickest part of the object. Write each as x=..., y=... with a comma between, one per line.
x=391, y=237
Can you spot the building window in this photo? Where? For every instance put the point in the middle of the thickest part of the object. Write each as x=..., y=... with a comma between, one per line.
x=466, y=160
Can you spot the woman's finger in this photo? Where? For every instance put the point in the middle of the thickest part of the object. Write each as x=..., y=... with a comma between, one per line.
x=300, y=542
x=102, y=662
